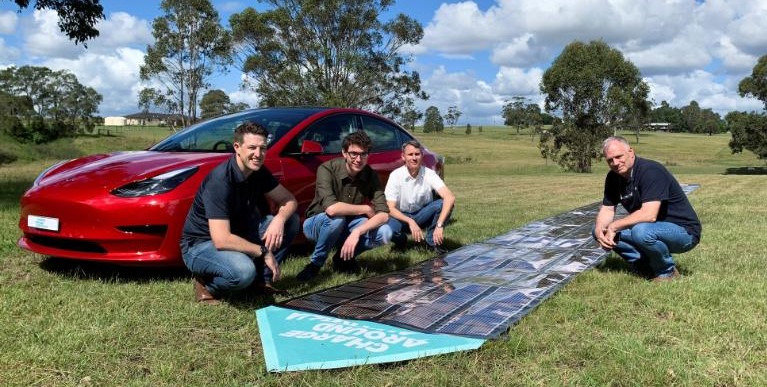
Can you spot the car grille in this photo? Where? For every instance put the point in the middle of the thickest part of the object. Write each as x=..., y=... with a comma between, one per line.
x=67, y=244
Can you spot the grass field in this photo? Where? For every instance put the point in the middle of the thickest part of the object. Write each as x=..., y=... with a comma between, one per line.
x=65, y=323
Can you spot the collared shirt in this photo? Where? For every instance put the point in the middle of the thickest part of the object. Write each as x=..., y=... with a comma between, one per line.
x=650, y=181
x=335, y=185
x=227, y=194
x=412, y=193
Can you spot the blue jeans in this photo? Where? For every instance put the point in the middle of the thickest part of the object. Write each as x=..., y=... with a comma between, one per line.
x=229, y=271
x=329, y=232
x=654, y=242
x=426, y=217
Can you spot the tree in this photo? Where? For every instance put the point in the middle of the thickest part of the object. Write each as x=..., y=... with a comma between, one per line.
x=433, y=121
x=410, y=117
x=468, y=129
x=595, y=89
x=514, y=112
x=77, y=19
x=756, y=84
x=451, y=118
x=38, y=94
x=749, y=131
x=328, y=53
x=189, y=45
x=668, y=114
x=214, y=103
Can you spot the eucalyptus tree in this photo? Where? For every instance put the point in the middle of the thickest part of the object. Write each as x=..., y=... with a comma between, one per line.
x=189, y=46
x=433, y=121
x=596, y=91
x=77, y=19
x=329, y=53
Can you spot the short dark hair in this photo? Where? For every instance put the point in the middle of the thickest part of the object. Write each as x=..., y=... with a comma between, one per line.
x=249, y=127
x=359, y=138
x=414, y=143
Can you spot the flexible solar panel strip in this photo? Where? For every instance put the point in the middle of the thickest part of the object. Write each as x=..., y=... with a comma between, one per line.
x=478, y=290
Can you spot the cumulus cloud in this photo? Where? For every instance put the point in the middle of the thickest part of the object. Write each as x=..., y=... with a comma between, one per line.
x=514, y=81
x=8, y=54
x=8, y=22
x=43, y=38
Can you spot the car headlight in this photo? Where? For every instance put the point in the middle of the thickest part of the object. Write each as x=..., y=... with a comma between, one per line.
x=155, y=185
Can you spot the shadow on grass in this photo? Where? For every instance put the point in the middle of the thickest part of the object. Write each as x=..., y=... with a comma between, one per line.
x=746, y=171
x=85, y=270
x=11, y=191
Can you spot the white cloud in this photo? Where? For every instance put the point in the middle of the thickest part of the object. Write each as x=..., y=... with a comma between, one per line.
x=43, y=38
x=8, y=54
x=8, y=22
x=514, y=81
x=703, y=87
x=122, y=29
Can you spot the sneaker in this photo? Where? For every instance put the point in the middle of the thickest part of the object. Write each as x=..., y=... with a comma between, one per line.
x=400, y=244
x=439, y=250
x=641, y=268
x=201, y=293
x=347, y=267
x=309, y=272
x=667, y=277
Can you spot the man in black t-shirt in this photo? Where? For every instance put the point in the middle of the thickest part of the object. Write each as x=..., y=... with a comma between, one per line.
x=661, y=220
x=229, y=234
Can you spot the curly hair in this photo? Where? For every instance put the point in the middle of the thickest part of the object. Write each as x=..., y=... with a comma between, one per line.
x=358, y=138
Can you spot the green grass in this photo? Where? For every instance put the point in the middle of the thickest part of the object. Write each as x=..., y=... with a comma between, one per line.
x=76, y=324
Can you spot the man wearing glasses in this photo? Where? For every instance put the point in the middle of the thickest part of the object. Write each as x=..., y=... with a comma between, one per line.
x=349, y=210
x=661, y=220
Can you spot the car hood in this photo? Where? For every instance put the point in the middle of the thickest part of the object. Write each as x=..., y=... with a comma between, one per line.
x=109, y=171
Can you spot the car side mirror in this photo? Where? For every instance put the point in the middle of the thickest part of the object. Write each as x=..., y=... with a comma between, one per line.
x=309, y=146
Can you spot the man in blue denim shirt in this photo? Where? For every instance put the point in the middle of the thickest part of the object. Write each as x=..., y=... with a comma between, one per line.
x=661, y=220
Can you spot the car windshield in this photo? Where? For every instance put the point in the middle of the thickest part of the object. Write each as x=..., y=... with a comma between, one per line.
x=216, y=135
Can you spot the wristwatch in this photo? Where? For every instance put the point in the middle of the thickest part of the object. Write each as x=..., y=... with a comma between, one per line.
x=264, y=250
x=440, y=225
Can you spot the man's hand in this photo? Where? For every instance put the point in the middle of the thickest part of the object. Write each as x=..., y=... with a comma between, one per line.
x=272, y=264
x=347, y=250
x=370, y=212
x=438, y=235
x=605, y=238
x=415, y=230
x=274, y=234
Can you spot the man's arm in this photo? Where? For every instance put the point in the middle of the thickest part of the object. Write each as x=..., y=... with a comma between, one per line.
x=395, y=213
x=604, y=217
x=448, y=201
x=287, y=206
x=346, y=209
x=648, y=213
x=223, y=239
x=347, y=250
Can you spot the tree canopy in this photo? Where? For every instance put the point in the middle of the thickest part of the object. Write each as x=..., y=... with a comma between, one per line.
x=77, y=19
x=328, y=53
x=596, y=91
x=41, y=104
x=189, y=45
x=433, y=121
x=749, y=130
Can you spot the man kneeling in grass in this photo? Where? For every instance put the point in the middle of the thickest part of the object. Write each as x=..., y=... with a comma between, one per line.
x=661, y=220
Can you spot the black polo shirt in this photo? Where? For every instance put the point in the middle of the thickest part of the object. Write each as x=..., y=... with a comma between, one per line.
x=227, y=194
x=650, y=181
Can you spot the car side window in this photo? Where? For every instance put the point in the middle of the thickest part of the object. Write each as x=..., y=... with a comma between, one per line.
x=385, y=136
x=329, y=132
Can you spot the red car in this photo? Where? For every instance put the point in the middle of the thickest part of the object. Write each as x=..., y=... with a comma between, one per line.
x=129, y=208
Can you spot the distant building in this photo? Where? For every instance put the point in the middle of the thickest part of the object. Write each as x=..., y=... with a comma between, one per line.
x=114, y=121
x=152, y=119
x=659, y=126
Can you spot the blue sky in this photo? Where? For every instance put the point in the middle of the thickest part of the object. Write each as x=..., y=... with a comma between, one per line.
x=475, y=54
